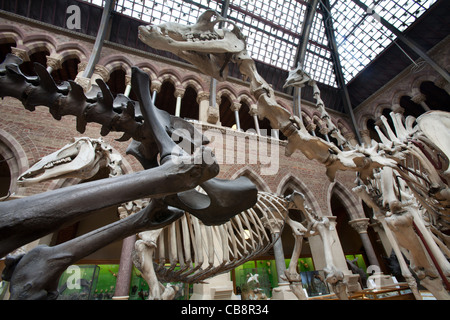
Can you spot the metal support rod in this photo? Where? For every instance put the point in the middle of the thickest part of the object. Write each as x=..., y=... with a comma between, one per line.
x=301, y=52
x=411, y=44
x=329, y=31
x=101, y=35
x=236, y=117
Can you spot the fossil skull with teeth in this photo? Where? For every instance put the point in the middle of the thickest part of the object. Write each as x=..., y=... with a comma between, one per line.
x=203, y=44
x=82, y=156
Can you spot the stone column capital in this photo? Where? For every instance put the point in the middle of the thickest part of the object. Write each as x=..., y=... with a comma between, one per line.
x=179, y=92
x=202, y=95
x=253, y=110
x=155, y=85
x=54, y=62
x=21, y=53
x=235, y=106
x=360, y=225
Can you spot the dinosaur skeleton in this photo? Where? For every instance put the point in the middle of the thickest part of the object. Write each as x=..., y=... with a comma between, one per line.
x=203, y=44
x=194, y=251
x=401, y=201
x=165, y=181
x=429, y=185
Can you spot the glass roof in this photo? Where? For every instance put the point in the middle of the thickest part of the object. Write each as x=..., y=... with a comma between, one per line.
x=273, y=28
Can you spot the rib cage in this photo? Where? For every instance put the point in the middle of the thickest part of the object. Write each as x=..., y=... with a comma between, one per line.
x=201, y=251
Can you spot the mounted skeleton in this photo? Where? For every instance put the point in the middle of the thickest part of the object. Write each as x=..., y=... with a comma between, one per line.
x=212, y=50
x=164, y=181
x=194, y=251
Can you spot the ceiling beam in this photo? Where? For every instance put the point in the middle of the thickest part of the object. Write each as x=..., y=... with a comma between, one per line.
x=329, y=31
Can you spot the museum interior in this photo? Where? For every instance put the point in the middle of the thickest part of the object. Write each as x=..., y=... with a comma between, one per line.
x=327, y=123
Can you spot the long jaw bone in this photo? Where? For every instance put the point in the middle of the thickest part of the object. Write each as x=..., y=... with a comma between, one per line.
x=73, y=160
x=202, y=44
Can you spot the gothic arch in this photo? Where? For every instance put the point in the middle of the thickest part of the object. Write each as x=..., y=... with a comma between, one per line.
x=69, y=50
x=192, y=81
x=170, y=75
x=149, y=69
x=11, y=32
x=293, y=182
x=38, y=42
x=15, y=157
x=352, y=205
x=228, y=92
x=253, y=176
x=114, y=62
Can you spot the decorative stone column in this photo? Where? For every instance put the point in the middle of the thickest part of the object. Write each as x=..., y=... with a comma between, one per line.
x=126, y=262
x=365, y=136
x=360, y=225
x=420, y=99
x=155, y=87
x=235, y=106
x=53, y=63
x=203, y=105
x=21, y=53
x=128, y=86
x=179, y=93
x=100, y=72
x=283, y=291
x=254, y=113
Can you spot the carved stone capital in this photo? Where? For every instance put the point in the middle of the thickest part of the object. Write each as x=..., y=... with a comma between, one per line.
x=213, y=115
x=82, y=66
x=101, y=72
x=324, y=130
x=54, y=63
x=397, y=109
x=202, y=95
x=155, y=85
x=127, y=80
x=21, y=53
x=311, y=127
x=364, y=133
x=418, y=98
x=253, y=110
x=179, y=92
x=85, y=83
x=235, y=106
x=360, y=225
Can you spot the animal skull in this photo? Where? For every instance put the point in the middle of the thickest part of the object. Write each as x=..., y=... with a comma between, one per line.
x=203, y=44
x=297, y=78
x=78, y=157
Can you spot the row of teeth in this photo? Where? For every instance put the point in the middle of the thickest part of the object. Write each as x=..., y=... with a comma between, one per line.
x=201, y=37
x=56, y=162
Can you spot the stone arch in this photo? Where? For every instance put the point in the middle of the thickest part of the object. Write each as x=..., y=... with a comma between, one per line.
x=253, y=176
x=244, y=97
x=193, y=82
x=149, y=69
x=227, y=92
x=115, y=62
x=37, y=42
x=11, y=33
x=72, y=49
x=295, y=183
x=352, y=205
x=15, y=157
x=170, y=75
